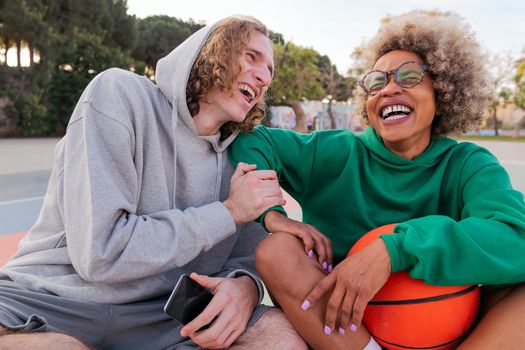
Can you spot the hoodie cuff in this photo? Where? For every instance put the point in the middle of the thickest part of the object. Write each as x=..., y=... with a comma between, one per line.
x=257, y=280
x=278, y=208
x=400, y=259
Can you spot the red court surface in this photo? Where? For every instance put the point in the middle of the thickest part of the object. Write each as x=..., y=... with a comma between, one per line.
x=8, y=245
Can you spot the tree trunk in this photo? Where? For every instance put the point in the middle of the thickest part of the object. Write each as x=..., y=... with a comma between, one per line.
x=6, y=42
x=31, y=54
x=300, y=117
x=519, y=124
x=331, y=115
x=495, y=118
x=19, y=54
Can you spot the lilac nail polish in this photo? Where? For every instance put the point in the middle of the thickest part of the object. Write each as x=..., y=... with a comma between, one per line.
x=353, y=328
x=305, y=305
x=310, y=253
x=325, y=265
x=341, y=331
x=327, y=330
x=330, y=268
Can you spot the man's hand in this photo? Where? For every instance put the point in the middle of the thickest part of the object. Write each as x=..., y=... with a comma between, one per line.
x=354, y=282
x=313, y=240
x=252, y=192
x=233, y=303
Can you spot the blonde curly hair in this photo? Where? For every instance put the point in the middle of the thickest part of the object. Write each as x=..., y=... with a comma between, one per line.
x=454, y=58
x=218, y=65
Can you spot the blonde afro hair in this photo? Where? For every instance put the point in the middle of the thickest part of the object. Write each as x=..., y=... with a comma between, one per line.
x=454, y=58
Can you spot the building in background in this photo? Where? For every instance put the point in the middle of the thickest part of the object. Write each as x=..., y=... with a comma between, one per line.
x=317, y=117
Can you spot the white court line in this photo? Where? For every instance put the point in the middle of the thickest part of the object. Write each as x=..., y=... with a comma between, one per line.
x=16, y=201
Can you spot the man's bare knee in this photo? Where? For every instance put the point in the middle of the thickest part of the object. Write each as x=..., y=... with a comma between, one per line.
x=272, y=331
x=47, y=340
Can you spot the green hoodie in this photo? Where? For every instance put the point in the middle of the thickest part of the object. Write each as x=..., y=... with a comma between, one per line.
x=459, y=220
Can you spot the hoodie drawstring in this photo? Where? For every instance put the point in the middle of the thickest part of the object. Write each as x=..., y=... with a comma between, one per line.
x=219, y=176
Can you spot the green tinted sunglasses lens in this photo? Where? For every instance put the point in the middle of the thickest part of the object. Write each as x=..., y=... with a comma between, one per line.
x=409, y=75
x=375, y=81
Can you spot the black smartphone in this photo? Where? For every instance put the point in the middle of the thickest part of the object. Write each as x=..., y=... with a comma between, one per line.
x=187, y=300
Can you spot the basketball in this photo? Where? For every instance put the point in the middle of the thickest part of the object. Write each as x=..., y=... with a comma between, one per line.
x=409, y=314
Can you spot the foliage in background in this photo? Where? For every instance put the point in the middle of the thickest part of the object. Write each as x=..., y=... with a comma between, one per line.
x=297, y=77
x=336, y=86
x=168, y=32
x=74, y=40
x=519, y=92
x=500, y=73
x=519, y=79
x=70, y=41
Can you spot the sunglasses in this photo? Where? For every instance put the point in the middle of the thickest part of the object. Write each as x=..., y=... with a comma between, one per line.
x=407, y=75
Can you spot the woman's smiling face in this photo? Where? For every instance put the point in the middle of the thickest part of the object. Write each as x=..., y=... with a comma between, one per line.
x=402, y=116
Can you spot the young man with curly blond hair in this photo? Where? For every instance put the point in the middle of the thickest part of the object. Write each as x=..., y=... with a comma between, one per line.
x=142, y=192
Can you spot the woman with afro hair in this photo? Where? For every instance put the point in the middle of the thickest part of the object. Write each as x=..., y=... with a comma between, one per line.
x=459, y=221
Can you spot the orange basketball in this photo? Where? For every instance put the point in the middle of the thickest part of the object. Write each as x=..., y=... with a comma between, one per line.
x=410, y=314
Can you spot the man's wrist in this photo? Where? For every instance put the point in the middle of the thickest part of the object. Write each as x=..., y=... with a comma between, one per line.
x=232, y=211
x=251, y=287
x=255, y=280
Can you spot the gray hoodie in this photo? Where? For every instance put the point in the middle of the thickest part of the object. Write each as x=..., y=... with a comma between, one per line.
x=135, y=195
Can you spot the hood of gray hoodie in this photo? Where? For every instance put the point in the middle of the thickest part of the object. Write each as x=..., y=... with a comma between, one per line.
x=172, y=74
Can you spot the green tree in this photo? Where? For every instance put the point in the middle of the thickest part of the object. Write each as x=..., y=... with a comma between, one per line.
x=276, y=38
x=75, y=39
x=519, y=92
x=336, y=86
x=31, y=113
x=158, y=35
x=9, y=16
x=5, y=40
x=500, y=72
x=297, y=77
x=35, y=28
x=86, y=56
x=124, y=31
x=5, y=43
x=20, y=23
x=357, y=68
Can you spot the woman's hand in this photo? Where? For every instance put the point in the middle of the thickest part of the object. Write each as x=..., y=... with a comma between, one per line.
x=354, y=282
x=234, y=300
x=313, y=240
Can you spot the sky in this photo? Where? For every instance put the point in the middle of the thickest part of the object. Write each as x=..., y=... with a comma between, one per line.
x=335, y=27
